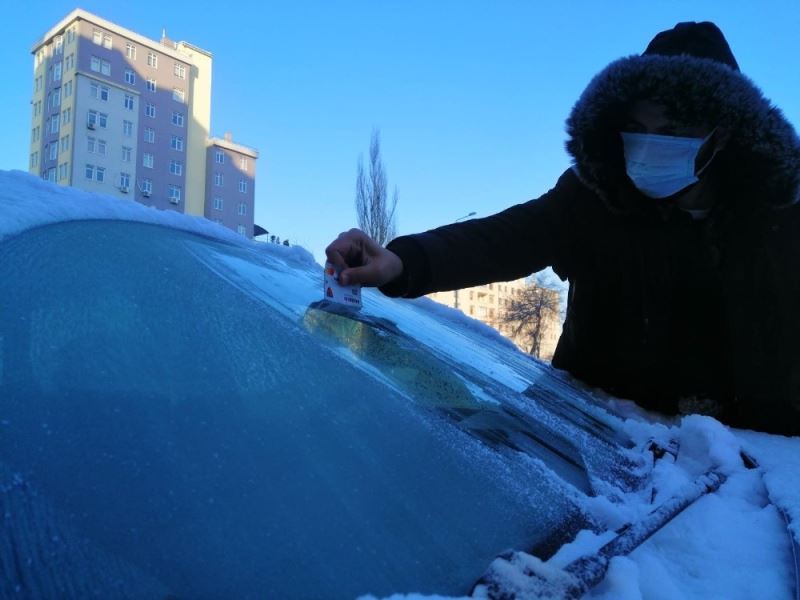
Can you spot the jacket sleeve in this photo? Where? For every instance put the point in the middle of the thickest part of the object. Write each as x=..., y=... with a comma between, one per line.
x=508, y=245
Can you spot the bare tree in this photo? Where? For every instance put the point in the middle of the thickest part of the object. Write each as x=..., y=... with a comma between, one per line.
x=529, y=313
x=375, y=213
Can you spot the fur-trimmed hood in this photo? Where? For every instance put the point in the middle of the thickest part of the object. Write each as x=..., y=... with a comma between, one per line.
x=762, y=155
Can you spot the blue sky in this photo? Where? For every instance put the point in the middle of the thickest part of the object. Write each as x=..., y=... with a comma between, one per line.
x=470, y=97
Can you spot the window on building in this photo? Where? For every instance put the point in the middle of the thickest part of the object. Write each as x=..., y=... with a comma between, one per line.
x=219, y=156
x=243, y=186
x=125, y=180
x=150, y=110
x=130, y=77
x=99, y=65
x=101, y=92
x=147, y=186
x=147, y=160
x=217, y=203
x=178, y=95
x=55, y=97
x=91, y=144
x=96, y=173
x=128, y=101
x=218, y=179
x=174, y=193
x=35, y=134
x=177, y=119
x=127, y=128
x=242, y=210
x=65, y=143
x=54, y=151
x=67, y=89
x=150, y=135
x=51, y=174
x=241, y=230
x=96, y=119
x=57, y=72
x=176, y=143
x=130, y=51
x=127, y=153
x=107, y=42
x=100, y=147
x=66, y=116
x=97, y=36
x=63, y=170
x=38, y=83
x=180, y=71
x=243, y=163
x=176, y=167
x=70, y=35
x=151, y=85
x=69, y=62
x=59, y=44
x=55, y=121
x=152, y=60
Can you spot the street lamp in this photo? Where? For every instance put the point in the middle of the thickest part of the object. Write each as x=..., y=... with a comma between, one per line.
x=455, y=292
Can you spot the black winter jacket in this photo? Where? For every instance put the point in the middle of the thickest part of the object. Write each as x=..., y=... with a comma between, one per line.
x=661, y=306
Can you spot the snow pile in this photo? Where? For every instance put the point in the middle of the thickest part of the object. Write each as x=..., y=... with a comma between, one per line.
x=729, y=544
x=28, y=201
x=779, y=458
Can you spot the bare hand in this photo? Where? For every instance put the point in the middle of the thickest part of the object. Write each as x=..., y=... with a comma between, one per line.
x=362, y=260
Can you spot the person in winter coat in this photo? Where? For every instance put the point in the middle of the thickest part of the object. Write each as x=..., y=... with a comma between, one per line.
x=678, y=228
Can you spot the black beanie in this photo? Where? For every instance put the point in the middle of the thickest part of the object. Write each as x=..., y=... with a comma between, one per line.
x=702, y=40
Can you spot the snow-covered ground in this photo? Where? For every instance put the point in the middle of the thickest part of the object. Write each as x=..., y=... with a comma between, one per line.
x=733, y=543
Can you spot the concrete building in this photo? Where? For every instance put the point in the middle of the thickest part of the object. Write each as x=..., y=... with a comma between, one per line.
x=230, y=186
x=117, y=113
x=487, y=303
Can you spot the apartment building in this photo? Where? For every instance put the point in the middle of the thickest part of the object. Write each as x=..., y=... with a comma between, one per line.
x=487, y=303
x=229, y=186
x=118, y=113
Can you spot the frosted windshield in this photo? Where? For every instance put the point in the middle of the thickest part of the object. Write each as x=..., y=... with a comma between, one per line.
x=166, y=431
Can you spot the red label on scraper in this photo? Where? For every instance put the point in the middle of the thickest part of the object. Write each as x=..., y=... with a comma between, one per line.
x=349, y=295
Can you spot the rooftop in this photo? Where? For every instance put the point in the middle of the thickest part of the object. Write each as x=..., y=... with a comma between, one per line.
x=82, y=15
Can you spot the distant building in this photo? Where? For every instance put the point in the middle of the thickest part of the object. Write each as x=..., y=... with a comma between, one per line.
x=118, y=113
x=230, y=188
x=487, y=303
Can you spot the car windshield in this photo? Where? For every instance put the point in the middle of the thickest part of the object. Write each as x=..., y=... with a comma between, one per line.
x=176, y=422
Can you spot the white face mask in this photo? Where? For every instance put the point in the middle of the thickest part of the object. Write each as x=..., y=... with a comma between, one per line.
x=662, y=165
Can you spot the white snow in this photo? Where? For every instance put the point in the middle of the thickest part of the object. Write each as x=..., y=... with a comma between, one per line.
x=730, y=544
x=29, y=201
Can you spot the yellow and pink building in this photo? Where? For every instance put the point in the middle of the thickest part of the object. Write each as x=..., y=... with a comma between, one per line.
x=118, y=113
